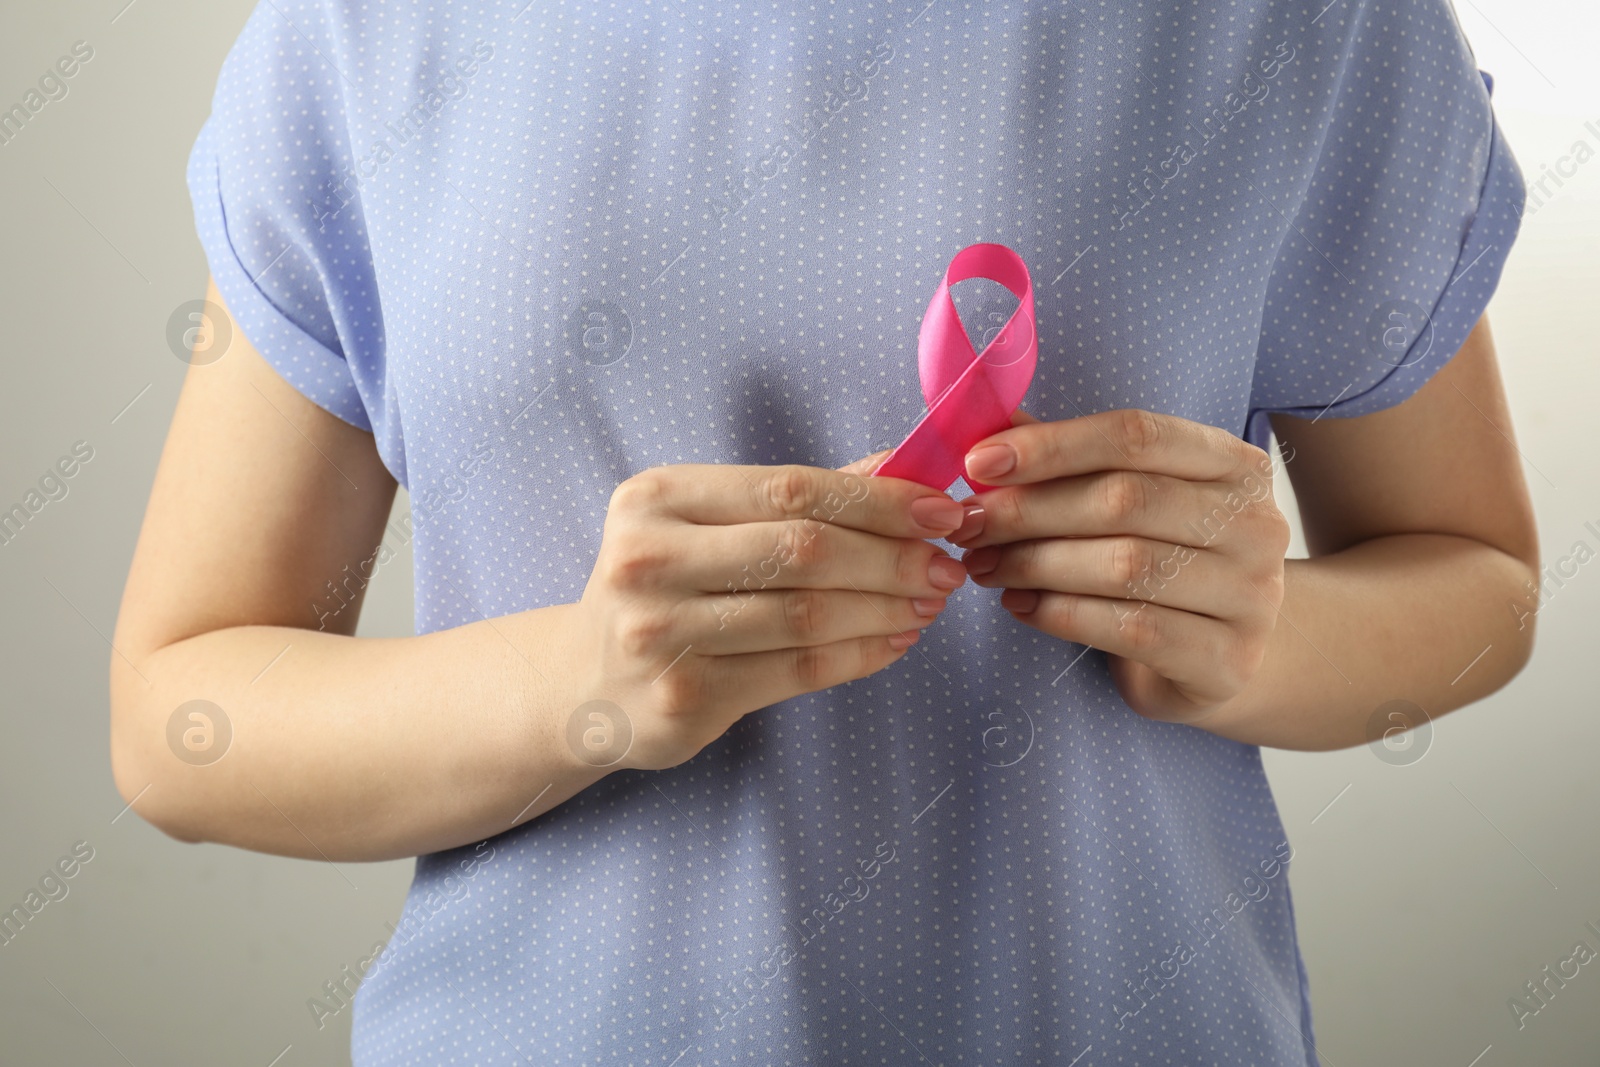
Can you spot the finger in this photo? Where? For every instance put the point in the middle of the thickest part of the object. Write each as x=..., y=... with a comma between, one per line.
x=725, y=495
x=1155, y=697
x=768, y=677
x=1203, y=657
x=867, y=464
x=1132, y=568
x=1129, y=439
x=1159, y=507
x=812, y=555
x=791, y=618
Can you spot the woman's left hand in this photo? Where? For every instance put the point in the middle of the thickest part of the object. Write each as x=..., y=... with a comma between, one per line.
x=1153, y=538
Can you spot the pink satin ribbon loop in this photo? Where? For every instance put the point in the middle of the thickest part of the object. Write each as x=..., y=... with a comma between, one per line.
x=970, y=395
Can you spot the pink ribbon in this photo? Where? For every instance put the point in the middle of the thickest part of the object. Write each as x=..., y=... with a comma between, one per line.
x=969, y=395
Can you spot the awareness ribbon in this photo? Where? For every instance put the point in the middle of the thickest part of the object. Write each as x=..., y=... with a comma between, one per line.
x=969, y=395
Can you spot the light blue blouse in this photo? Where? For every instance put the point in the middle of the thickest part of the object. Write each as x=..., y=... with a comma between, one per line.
x=539, y=245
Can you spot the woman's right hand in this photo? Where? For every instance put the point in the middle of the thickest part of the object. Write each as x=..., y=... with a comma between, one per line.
x=721, y=589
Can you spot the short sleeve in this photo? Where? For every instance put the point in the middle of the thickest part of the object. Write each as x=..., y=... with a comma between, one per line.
x=1402, y=229
x=278, y=217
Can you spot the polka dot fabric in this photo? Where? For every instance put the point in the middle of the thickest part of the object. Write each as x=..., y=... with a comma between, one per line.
x=536, y=247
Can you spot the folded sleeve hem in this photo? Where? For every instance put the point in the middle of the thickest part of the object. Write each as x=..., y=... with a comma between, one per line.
x=319, y=374
x=1455, y=312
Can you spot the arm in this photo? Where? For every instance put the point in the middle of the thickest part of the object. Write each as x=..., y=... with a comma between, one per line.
x=342, y=748
x=1423, y=548
x=1156, y=539
x=366, y=749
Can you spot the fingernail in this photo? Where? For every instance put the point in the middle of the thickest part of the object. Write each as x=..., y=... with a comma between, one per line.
x=991, y=461
x=902, y=641
x=971, y=522
x=926, y=608
x=946, y=573
x=1021, y=601
x=938, y=513
x=981, y=561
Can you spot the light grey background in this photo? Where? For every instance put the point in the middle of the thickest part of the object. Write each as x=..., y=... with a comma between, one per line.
x=1427, y=894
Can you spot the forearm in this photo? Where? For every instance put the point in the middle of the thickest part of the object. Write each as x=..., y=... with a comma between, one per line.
x=1398, y=617
x=348, y=748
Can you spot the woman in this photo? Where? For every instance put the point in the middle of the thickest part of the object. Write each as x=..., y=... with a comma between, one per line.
x=625, y=297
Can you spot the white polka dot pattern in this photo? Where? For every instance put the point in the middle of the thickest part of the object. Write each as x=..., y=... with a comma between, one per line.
x=536, y=247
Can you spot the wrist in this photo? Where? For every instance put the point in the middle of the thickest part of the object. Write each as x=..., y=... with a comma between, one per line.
x=588, y=731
